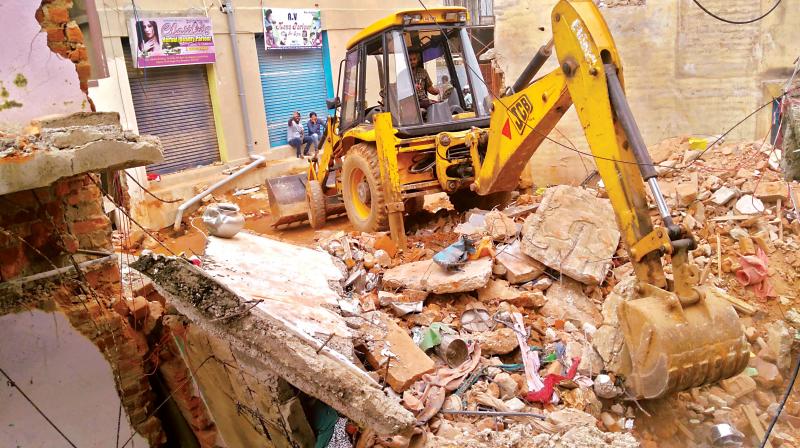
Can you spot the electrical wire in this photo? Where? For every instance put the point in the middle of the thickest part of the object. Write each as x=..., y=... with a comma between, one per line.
x=13, y=384
x=737, y=22
x=131, y=177
x=783, y=402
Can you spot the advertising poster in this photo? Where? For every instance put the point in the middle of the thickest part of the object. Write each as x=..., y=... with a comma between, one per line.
x=287, y=29
x=168, y=41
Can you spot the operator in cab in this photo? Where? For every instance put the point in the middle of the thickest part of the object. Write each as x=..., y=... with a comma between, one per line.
x=422, y=81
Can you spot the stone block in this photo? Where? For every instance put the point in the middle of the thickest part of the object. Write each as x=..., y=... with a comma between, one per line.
x=574, y=232
x=498, y=290
x=739, y=385
x=428, y=276
x=749, y=205
x=566, y=300
x=687, y=192
x=520, y=268
x=772, y=191
x=723, y=195
x=498, y=342
x=407, y=362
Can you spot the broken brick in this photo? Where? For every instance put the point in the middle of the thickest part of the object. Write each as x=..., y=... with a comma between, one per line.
x=390, y=343
x=519, y=267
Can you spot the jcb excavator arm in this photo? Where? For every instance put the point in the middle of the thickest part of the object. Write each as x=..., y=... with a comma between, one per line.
x=666, y=327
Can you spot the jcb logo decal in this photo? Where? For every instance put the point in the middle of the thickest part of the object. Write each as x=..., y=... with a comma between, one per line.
x=521, y=111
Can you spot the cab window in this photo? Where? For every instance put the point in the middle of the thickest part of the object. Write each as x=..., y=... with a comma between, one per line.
x=350, y=106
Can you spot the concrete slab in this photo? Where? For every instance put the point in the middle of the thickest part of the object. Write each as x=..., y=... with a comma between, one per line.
x=40, y=164
x=263, y=342
x=428, y=276
x=293, y=282
x=573, y=231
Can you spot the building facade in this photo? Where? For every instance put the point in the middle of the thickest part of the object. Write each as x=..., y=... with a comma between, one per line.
x=195, y=108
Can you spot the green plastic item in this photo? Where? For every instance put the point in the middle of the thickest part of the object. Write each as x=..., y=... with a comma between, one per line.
x=432, y=336
x=751, y=371
x=550, y=358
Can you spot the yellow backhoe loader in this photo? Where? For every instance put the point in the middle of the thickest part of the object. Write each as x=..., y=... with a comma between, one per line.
x=388, y=145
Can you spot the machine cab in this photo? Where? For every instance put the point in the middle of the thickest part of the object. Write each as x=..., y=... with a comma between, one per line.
x=420, y=66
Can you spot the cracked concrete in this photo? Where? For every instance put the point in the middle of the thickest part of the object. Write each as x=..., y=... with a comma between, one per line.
x=264, y=343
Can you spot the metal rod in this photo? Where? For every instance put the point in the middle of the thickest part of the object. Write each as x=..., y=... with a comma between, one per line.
x=646, y=167
x=625, y=117
x=55, y=272
x=663, y=210
x=533, y=67
x=497, y=414
x=257, y=160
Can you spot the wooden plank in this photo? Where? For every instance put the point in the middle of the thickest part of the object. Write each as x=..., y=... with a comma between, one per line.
x=752, y=418
x=740, y=305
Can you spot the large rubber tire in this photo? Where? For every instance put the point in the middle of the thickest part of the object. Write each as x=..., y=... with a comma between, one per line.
x=464, y=200
x=364, y=198
x=315, y=199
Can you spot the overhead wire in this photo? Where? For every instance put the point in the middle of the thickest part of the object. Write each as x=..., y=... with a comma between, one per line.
x=737, y=22
x=596, y=157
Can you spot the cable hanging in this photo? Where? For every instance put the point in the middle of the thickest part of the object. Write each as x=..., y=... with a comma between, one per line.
x=736, y=22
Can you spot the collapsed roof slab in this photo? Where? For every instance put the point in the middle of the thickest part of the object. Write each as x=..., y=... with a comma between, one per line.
x=265, y=343
x=69, y=145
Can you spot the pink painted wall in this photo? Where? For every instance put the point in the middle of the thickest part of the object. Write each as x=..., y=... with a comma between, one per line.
x=34, y=81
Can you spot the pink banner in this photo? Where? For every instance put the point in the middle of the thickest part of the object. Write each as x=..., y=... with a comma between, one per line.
x=168, y=41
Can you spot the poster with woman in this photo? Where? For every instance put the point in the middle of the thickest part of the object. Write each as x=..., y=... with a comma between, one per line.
x=168, y=41
x=291, y=28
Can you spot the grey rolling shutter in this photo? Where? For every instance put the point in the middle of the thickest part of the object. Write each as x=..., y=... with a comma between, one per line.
x=290, y=80
x=173, y=104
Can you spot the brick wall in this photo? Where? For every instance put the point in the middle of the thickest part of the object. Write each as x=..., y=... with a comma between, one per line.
x=64, y=36
x=39, y=228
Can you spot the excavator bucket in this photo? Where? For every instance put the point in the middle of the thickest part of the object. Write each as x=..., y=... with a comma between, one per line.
x=287, y=199
x=673, y=347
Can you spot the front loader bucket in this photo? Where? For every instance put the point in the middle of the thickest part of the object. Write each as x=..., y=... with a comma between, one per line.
x=674, y=347
x=287, y=199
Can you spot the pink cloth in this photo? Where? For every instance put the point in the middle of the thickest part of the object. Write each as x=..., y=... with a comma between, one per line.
x=754, y=272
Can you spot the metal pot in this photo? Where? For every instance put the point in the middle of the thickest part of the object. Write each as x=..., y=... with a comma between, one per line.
x=223, y=220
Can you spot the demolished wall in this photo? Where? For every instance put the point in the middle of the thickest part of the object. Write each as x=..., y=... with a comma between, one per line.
x=41, y=49
x=56, y=257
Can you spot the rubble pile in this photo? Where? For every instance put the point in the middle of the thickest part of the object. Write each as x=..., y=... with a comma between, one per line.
x=499, y=327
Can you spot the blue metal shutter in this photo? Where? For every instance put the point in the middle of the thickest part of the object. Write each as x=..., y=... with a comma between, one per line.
x=173, y=104
x=291, y=80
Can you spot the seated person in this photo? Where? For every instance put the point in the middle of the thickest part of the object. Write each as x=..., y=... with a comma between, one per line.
x=315, y=128
x=422, y=81
x=296, y=135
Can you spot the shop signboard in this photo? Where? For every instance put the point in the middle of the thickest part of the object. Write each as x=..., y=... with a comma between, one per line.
x=291, y=29
x=169, y=41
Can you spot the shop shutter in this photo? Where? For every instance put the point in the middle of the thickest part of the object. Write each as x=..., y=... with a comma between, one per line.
x=291, y=80
x=173, y=104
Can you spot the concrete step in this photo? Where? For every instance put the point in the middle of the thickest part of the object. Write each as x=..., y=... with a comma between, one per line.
x=184, y=185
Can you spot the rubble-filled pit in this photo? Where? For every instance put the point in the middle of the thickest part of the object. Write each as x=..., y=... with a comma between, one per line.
x=405, y=310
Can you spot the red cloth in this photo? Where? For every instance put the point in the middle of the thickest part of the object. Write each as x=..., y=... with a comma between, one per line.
x=544, y=394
